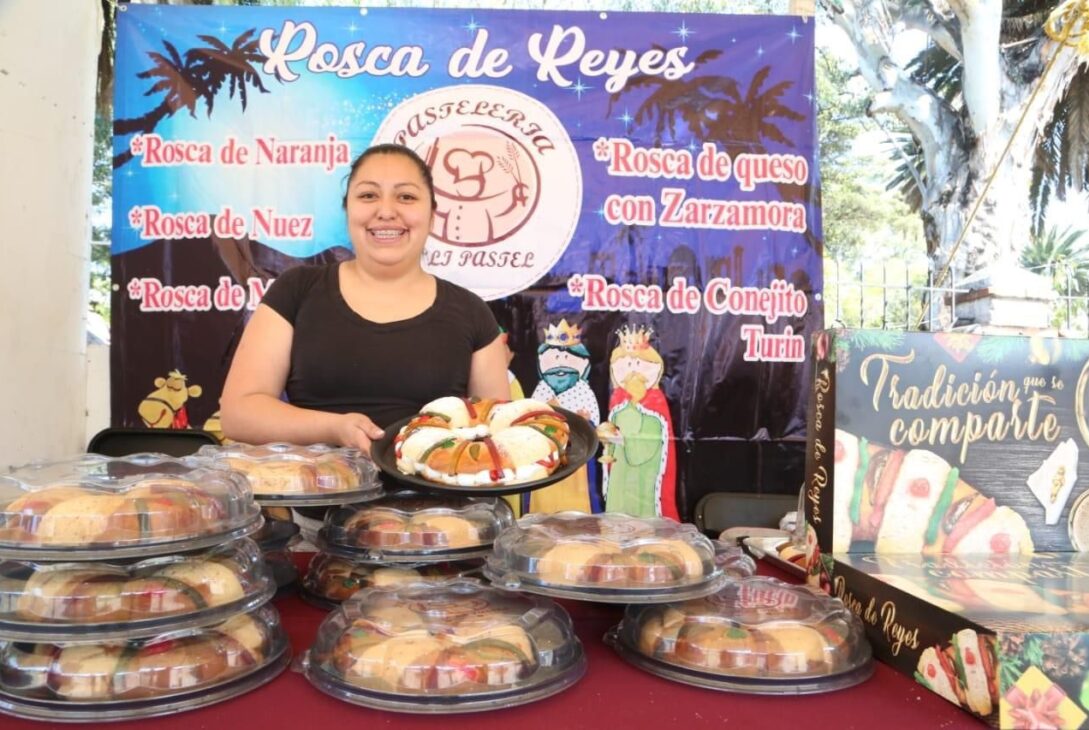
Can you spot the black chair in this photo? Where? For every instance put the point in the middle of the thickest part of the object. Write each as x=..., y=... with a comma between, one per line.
x=719, y=511
x=125, y=441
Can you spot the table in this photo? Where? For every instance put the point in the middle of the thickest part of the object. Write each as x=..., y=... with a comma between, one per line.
x=613, y=694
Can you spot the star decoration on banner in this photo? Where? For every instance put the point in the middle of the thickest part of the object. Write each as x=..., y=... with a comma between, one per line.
x=352, y=28
x=472, y=26
x=683, y=31
x=579, y=88
x=760, y=51
x=793, y=35
x=626, y=118
x=692, y=146
x=808, y=96
x=600, y=212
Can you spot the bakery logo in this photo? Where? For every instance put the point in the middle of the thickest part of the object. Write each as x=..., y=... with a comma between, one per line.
x=508, y=184
x=755, y=597
x=619, y=531
x=442, y=607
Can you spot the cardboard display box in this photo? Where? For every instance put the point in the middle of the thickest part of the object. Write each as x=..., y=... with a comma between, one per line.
x=944, y=506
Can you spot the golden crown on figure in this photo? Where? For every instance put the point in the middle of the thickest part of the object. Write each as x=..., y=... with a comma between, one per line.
x=634, y=338
x=563, y=334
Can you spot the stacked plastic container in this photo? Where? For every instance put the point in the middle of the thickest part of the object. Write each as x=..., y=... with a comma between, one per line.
x=612, y=558
x=696, y=613
x=129, y=588
x=444, y=647
x=402, y=538
x=283, y=476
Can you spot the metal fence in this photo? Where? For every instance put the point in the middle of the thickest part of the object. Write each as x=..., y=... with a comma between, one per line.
x=897, y=295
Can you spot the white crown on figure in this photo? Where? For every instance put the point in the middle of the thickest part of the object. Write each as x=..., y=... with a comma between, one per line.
x=634, y=338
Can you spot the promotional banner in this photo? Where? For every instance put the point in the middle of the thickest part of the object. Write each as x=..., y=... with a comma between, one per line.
x=635, y=194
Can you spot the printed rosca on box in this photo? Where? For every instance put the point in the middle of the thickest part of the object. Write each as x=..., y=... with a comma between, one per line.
x=943, y=505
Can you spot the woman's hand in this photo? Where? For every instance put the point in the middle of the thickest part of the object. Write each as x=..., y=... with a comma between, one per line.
x=357, y=431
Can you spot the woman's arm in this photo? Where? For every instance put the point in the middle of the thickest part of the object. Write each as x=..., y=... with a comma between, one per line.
x=250, y=408
x=488, y=372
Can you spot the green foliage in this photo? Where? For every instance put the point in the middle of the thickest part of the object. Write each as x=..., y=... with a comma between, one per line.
x=874, y=339
x=996, y=350
x=885, y=293
x=860, y=217
x=101, y=197
x=1062, y=255
x=874, y=255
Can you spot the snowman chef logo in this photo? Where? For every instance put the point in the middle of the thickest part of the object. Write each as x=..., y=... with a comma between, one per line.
x=487, y=187
x=508, y=183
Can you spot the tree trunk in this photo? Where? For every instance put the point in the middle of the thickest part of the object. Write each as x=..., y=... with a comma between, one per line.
x=1002, y=225
x=967, y=149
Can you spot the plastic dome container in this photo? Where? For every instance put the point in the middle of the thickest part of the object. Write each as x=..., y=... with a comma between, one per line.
x=410, y=528
x=141, y=678
x=287, y=474
x=453, y=647
x=757, y=635
x=609, y=557
x=100, y=601
x=331, y=580
x=103, y=508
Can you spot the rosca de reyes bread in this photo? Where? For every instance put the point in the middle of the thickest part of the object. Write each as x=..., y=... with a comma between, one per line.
x=468, y=442
x=443, y=642
x=962, y=671
x=290, y=470
x=150, y=510
x=609, y=550
x=97, y=593
x=337, y=579
x=138, y=669
x=404, y=523
x=757, y=627
x=913, y=501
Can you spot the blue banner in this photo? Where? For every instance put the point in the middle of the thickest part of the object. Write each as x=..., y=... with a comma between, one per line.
x=640, y=186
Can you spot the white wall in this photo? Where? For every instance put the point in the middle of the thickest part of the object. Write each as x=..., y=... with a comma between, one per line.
x=48, y=52
x=98, y=390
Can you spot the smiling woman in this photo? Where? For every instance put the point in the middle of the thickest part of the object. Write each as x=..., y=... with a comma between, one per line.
x=358, y=345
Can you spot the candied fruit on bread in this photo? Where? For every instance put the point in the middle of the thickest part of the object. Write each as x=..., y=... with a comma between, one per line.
x=469, y=442
x=470, y=647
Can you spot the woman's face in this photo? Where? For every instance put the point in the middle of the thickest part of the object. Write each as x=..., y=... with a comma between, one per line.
x=389, y=211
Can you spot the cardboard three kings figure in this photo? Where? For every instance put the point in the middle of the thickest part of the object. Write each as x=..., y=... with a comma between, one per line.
x=563, y=363
x=640, y=459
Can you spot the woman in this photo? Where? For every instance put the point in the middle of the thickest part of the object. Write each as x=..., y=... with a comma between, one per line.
x=360, y=344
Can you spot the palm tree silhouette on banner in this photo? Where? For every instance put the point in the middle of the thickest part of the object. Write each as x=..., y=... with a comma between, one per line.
x=718, y=109
x=714, y=109
x=197, y=76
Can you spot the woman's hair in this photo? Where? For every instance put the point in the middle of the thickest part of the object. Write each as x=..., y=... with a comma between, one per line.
x=391, y=149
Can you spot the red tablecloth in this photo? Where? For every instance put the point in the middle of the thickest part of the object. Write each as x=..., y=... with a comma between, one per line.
x=613, y=694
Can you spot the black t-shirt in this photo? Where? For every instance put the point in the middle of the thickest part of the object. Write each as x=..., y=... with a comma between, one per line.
x=343, y=363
